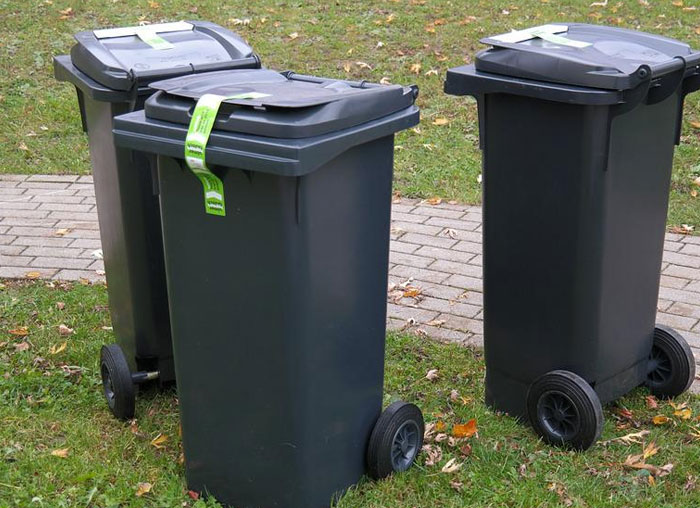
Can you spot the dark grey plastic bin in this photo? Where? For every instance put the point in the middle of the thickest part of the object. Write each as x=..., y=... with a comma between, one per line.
x=111, y=71
x=577, y=149
x=278, y=309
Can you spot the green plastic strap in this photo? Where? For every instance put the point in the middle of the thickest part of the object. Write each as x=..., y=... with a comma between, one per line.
x=154, y=40
x=202, y=122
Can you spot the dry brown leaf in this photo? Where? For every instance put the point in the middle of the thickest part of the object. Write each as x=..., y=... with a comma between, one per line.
x=454, y=395
x=652, y=403
x=64, y=330
x=634, y=437
x=54, y=350
x=434, y=201
x=456, y=485
x=441, y=121
x=153, y=5
x=61, y=452
x=440, y=426
x=20, y=331
x=21, y=346
x=697, y=181
x=432, y=375
x=650, y=450
x=293, y=35
x=436, y=322
x=62, y=231
x=683, y=229
x=465, y=449
x=451, y=466
x=465, y=430
x=143, y=488
x=363, y=65
x=60, y=305
x=32, y=275
x=159, y=441
x=193, y=495
x=684, y=413
x=415, y=68
x=433, y=454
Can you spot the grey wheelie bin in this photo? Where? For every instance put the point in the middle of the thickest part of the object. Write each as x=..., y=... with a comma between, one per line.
x=277, y=279
x=111, y=70
x=578, y=125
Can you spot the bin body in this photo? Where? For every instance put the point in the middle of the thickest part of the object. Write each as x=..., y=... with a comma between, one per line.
x=111, y=73
x=575, y=196
x=278, y=309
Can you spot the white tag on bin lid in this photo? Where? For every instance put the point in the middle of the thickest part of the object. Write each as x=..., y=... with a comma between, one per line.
x=549, y=33
x=108, y=33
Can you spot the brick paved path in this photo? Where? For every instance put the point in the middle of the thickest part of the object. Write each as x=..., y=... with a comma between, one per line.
x=48, y=224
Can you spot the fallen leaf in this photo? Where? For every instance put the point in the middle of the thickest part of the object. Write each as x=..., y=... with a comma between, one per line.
x=660, y=420
x=363, y=65
x=54, y=350
x=695, y=125
x=61, y=452
x=456, y=485
x=385, y=81
x=465, y=430
x=650, y=450
x=684, y=414
x=159, y=440
x=434, y=201
x=683, y=229
x=454, y=395
x=432, y=375
x=153, y=5
x=441, y=437
x=441, y=121
x=436, y=322
x=432, y=453
x=415, y=68
x=193, y=495
x=440, y=426
x=62, y=231
x=451, y=466
x=32, y=275
x=20, y=331
x=64, y=330
x=652, y=403
x=21, y=346
x=697, y=181
x=431, y=72
x=634, y=437
x=143, y=488
x=466, y=449
x=293, y=35
x=60, y=305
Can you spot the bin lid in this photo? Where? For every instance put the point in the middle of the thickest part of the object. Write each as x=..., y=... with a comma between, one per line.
x=121, y=58
x=584, y=55
x=278, y=104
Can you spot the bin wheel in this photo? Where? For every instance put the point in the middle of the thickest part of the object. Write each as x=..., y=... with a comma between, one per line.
x=671, y=364
x=565, y=410
x=117, y=386
x=396, y=440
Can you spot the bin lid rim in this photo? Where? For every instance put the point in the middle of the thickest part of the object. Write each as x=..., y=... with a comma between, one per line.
x=584, y=54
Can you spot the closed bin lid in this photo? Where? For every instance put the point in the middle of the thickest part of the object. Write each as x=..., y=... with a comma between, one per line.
x=281, y=104
x=584, y=55
x=121, y=58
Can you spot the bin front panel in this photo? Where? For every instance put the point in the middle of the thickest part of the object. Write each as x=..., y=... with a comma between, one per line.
x=278, y=318
x=131, y=243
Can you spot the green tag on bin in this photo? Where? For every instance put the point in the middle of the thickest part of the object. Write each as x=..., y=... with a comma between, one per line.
x=202, y=122
x=153, y=39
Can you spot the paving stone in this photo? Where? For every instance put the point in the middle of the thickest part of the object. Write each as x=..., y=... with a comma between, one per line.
x=86, y=243
x=6, y=239
x=11, y=192
x=15, y=260
x=441, y=333
x=89, y=200
x=477, y=260
x=469, y=246
x=20, y=272
x=691, y=239
x=399, y=246
x=62, y=197
x=54, y=262
x=690, y=249
x=43, y=185
x=97, y=265
x=74, y=216
x=24, y=214
x=407, y=217
x=461, y=323
x=664, y=305
x=78, y=274
x=3, y=229
x=682, y=271
x=80, y=187
x=8, y=206
x=66, y=207
x=57, y=252
x=673, y=246
x=673, y=282
x=452, y=223
x=28, y=222
x=462, y=281
x=695, y=286
x=682, y=259
x=678, y=295
x=11, y=250
x=53, y=178
x=403, y=208
x=40, y=241
x=675, y=321
x=436, y=211
x=421, y=316
x=85, y=179
x=13, y=178
x=79, y=224
x=428, y=240
x=422, y=274
x=476, y=341
x=409, y=259
x=443, y=265
x=31, y=231
x=446, y=254
x=84, y=233
x=449, y=307
x=412, y=227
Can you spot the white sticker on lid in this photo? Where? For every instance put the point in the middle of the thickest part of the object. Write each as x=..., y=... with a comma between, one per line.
x=178, y=26
x=529, y=33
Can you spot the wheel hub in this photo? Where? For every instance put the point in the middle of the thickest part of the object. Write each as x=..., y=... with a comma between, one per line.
x=558, y=414
x=404, y=446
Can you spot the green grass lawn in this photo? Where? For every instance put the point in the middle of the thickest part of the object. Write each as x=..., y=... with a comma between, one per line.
x=60, y=447
x=405, y=41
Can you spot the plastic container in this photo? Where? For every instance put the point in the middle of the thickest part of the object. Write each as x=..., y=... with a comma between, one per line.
x=278, y=308
x=578, y=125
x=111, y=70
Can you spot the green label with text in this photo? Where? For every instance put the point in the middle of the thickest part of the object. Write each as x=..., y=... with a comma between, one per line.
x=153, y=39
x=202, y=122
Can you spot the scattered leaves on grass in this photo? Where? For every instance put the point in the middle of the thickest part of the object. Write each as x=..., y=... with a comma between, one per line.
x=415, y=68
x=143, y=488
x=560, y=490
x=432, y=375
x=465, y=449
x=293, y=35
x=159, y=441
x=21, y=346
x=683, y=229
x=650, y=450
x=465, y=430
x=61, y=452
x=441, y=121
x=634, y=437
x=440, y=426
x=451, y=466
x=54, y=350
x=64, y=330
x=637, y=462
x=20, y=331
x=66, y=13
x=684, y=413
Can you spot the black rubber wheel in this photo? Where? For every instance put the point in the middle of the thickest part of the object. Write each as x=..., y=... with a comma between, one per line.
x=565, y=410
x=117, y=386
x=671, y=364
x=396, y=440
